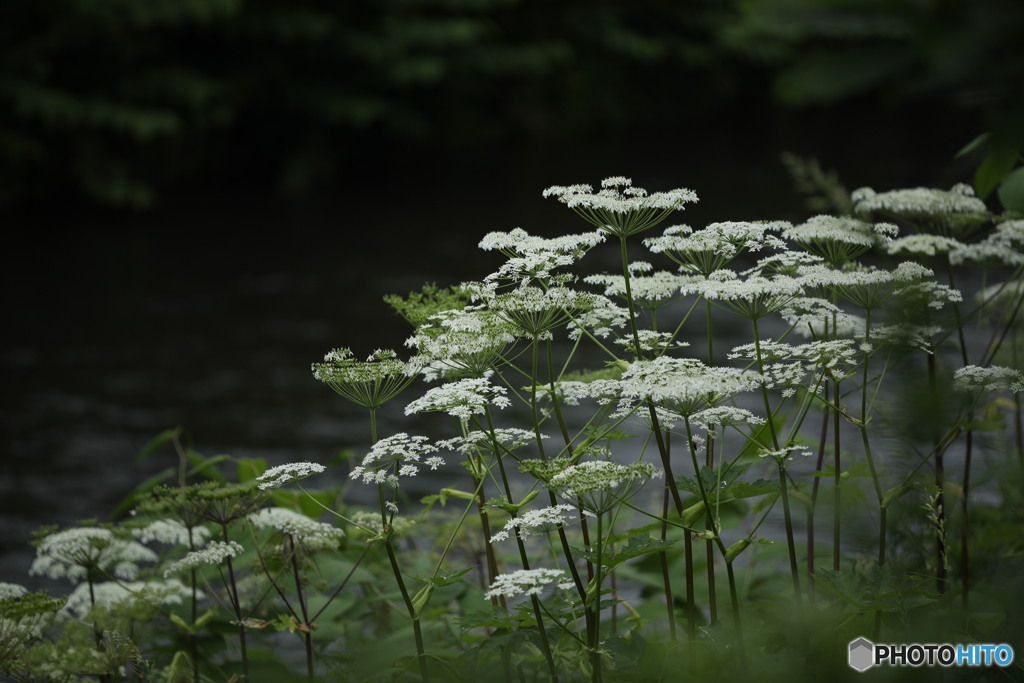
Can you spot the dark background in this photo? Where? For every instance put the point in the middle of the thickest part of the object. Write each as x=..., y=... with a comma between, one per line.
x=201, y=197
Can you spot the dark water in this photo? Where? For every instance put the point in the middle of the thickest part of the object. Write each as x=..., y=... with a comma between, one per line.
x=208, y=315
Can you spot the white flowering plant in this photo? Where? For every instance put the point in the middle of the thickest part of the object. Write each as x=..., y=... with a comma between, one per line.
x=614, y=473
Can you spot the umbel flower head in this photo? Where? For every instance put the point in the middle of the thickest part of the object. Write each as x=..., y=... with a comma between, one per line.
x=532, y=257
x=396, y=456
x=285, y=474
x=957, y=210
x=992, y=378
x=537, y=521
x=87, y=553
x=527, y=582
x=216, y=552
x=705, y=251
x=309, y=533
x=599, y=485
x=462, y=399
x=685, y=385
x=371, y=383
x=618, y=208
x=456, y=343
x=839, y=239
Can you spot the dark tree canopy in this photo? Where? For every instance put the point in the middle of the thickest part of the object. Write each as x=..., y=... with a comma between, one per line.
x=115, y=101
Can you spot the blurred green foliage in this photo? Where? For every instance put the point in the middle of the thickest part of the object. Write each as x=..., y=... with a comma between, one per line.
x=117, y=100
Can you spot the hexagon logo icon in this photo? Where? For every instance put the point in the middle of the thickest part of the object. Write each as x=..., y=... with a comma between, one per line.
x=862, y=654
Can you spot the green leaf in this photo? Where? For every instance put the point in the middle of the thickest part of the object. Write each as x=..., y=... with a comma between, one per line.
x=159, y=441
x=1011, y=190
x=146, y=486
x=205, y=466
x=976, y=143
x=636, y=547
x=994, y=169
x=444, y=578
x=250, y=468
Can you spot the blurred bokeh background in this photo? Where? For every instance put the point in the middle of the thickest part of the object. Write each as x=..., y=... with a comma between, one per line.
x=201, y=197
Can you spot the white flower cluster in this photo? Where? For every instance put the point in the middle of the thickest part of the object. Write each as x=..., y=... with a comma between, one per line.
x=507, y=439
x=399, y=455
x=992, y=378
x=285, y=474
x=535, y=311
x=839, y=239
x=684, y=385
x=11, y=590
x=372, y=523
x=171, y=532
x=836, y=357
x=216, y=552
x=723, y=416
x=751, y=297
x=114, y=594
x=918, y=202
x=535, y=257
x=650, y=340
x=649, y=291
x=924, y=244
x=462, y=399
x=311, y=534
x=710, y=249
x=598, y=485
x=1003, y=246
x=467, y=340
x=537, y=521
x=786, y=452
x=518, y=241
x=600, y=320
x=527, y=582
x=619, y=208
x=73, y=553
x=1000, y=294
